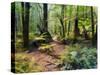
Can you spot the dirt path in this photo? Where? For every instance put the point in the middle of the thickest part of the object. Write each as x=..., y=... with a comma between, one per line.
x=48, y=62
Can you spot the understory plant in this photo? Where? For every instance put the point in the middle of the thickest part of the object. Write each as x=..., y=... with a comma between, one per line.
x=77, y=57
x=25, y=63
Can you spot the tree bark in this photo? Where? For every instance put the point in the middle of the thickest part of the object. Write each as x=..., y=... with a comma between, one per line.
x=69, y=23
x=85, y=35
x=25, y=21
x=45, y=16
x=92, y=25
x=44, y=29
x=62, y=21
x=76, y=28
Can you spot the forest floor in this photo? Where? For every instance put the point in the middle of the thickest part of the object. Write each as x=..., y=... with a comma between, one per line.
x=48, y=61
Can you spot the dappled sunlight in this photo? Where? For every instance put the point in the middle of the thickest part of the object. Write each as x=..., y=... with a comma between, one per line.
x=53, y=37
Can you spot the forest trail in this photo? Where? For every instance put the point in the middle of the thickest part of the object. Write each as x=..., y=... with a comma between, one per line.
x=49, y=62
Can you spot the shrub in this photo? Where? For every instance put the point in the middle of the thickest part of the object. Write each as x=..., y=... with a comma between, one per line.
x=77, y=57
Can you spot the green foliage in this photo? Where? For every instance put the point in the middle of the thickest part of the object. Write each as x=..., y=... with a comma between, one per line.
x=36, y=36
x=84, y=21
x=77, y=57
x=46, y=48
x=31, y=36
x=25, y=63
x=19, y=45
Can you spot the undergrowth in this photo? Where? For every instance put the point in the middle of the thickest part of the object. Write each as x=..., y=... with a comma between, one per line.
x=25, y=63
x=78, y=57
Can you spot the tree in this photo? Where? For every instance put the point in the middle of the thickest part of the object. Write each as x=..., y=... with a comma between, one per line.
x=45, y=17
x=69, y=23
x=44, y=28
x=62, y=21
x=12, y=36
x=92, y=25
x=76, y=28
x=13, y=28
x=84, y=32
x=25, y=22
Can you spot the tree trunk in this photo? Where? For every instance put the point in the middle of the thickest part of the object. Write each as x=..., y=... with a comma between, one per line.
x=68, y=28
x=76, y=29
x=86, y=12
x=85, y=35
x=45, y=31
x=45, y=16
x=95, y=38
x=25, y=22
x=69, y=23
x=92, y=25
x=62, y=22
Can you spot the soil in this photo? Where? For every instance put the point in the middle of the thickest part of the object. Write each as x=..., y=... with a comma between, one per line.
x=49, y=61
